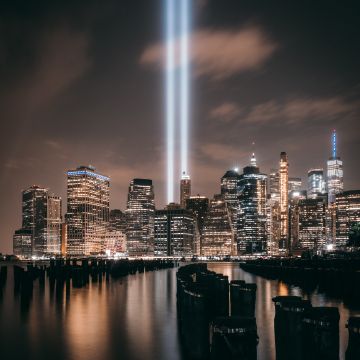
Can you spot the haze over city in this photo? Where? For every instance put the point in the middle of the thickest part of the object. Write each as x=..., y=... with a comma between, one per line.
x=84, y=85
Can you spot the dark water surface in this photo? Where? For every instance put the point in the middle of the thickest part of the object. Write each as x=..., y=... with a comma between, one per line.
x=132, y=318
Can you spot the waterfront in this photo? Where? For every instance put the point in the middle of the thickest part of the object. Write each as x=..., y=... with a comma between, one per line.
x=130, y=318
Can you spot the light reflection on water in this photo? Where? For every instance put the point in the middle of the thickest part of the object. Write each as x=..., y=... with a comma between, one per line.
x=132, y=318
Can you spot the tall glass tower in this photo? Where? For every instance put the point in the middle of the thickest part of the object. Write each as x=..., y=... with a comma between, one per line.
x=284, y=202
x=140, y=213
x=251, y=236
x=185, y=189
x=41, y=213
x=335, y=182
x=87, y=214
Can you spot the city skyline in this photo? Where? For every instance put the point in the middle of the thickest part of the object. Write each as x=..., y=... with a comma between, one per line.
x=83, y=99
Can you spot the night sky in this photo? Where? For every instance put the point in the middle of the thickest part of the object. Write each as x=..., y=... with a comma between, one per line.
x=82, y=83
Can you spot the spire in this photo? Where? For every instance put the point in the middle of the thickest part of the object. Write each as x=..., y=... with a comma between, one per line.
x=334, y=144
x=253, y=160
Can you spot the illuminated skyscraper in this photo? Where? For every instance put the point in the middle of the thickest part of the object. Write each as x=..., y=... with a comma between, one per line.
x=117, y=220
x=335, y=183
x=347, y=217
x=140, y=213
x=312, y=224
x=294, y=198
x=199, y=205
x=295, y=184
x=284, y=202
x=87, y=214
x=175, y=231
x=217, y=237
x=230, y=193
x=316, y=182
x=22, y=243
x=115, y=236
x=274, y=184
x=185, y=189
x=42, y=219
x=251, y=236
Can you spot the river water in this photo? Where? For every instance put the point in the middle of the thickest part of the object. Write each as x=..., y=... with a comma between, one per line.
x=128, y=319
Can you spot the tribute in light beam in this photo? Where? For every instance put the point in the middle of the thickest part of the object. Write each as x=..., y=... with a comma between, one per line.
x=184, y=82
x=170, y=94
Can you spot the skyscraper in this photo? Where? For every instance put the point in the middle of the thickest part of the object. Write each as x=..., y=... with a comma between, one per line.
x=251, y=236
x=274, y=184
x=335, y=183
x=294, y=198
x=284, y=202
x=316, y=182
x=87, y=214
x=41, y=213
x=295, y=184
x=199, y=205
x=185, y=189
x=312, y=223
x=217, y=238
x=140, y=213
x=347, y=217
x=230, y=193
x=175, y=231
x=22, y=243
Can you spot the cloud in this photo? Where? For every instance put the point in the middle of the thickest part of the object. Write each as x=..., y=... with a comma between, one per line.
x=221, y=152
x=225, y=112
x=299, y=110
x=221, y=53
x=62, y=57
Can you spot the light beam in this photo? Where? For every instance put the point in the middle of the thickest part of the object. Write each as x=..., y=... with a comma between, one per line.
x=184, y=82
x=170, y=94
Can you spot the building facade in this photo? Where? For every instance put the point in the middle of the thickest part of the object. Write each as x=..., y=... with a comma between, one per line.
x=41, y=217
x=140, y=213
x=217, y=238
x=175, y=231
x=22, y=243
x=316, y=183
x=347, y=207
x=185, y=189
x=312, y=224
x=284, y=202
x=87, y=216
x=251, y=232
x=199, y=205
x=335, y=181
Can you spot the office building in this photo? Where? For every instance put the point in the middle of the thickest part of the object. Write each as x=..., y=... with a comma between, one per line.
x=87, y=216
x=199, y=205
x=251, y=235
x=347, y=207
x=22, y=243
x=230, y=193
x=217, y=238
x=295, y=184
x=294, y=198
x=117, y=220
x=284, y=202
x=316, y=183
x=185, y=189
x=311, y=214
x=41, y=216
x=175, y=231
x=140, y=213
x=335, y=182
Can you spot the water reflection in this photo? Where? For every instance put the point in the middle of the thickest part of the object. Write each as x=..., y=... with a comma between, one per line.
x=130, y=318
